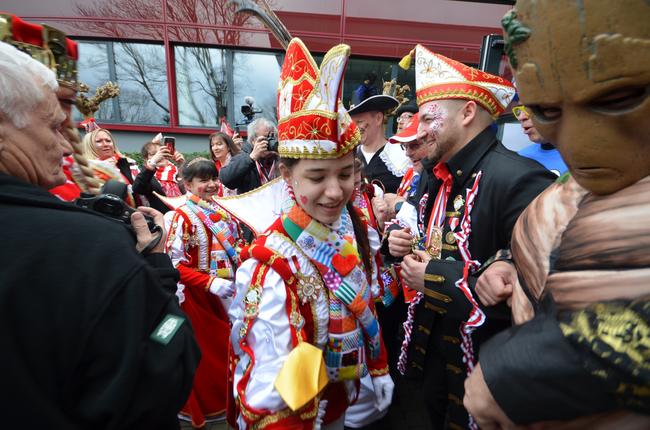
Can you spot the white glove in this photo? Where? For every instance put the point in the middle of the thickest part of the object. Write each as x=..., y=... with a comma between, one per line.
x=322, y=407
x=224, y=289
x=383, y=386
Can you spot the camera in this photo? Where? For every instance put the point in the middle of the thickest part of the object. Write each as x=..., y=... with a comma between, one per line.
x=272, y=140
x=114, y=207
x=248, y=110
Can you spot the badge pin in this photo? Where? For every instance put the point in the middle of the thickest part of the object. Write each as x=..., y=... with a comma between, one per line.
x=450, y=238
x=459, y=202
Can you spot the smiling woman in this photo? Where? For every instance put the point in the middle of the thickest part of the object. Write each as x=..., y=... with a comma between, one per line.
x=310, y=281
x=100, y=145
x=201, y=245
x=322, y=187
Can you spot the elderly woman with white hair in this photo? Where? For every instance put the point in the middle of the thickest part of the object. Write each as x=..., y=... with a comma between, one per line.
x=96, y=336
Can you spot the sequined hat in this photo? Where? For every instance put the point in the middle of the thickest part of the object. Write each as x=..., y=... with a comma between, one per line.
x=439, y=78
x=43, y=43
x=312, y=122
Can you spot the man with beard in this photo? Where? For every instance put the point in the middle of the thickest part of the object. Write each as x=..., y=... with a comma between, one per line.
x=579, y=356
x=471, y=192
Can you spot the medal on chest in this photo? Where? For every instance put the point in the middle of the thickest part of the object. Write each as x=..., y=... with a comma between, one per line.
x=435, y=243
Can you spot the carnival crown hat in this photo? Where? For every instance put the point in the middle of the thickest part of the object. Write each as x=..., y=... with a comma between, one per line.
x=438, y=78
x=312, y=122
x=43, y=43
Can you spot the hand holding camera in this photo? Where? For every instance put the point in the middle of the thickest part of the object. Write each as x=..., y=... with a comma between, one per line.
x=146, y=224
x=260, y=146
x=158, y=159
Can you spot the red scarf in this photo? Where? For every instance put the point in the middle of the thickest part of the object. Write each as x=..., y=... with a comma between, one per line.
x=167, y=177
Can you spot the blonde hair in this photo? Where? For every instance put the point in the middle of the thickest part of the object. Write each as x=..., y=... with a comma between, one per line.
x=90, y=151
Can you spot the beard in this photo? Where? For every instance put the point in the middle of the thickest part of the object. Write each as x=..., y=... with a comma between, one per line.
x=436, y=148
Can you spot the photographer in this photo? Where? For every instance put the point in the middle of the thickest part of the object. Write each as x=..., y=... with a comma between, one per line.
x=92, y=329
x=256, y=164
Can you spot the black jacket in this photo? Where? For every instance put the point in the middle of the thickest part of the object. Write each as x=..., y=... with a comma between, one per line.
x=509, y=182
x=376, y=170
x=145, y=184
x=78, y=312
x=241, y=172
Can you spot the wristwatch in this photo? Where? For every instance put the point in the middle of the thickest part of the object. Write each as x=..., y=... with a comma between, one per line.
x=152, y=164
x=501, y=255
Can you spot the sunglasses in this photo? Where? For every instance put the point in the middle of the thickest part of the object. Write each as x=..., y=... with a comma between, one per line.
x=517, y=110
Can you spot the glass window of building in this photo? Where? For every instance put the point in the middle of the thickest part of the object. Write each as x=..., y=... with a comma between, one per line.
x=202, y=85
x=141, y=73
x=256, y=75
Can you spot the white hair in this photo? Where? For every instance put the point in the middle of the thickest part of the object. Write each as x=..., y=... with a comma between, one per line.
x=259, y=122
x=22, y=80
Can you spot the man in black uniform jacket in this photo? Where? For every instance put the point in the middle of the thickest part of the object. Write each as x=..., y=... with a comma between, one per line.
x=471, y=192
x=91, y=332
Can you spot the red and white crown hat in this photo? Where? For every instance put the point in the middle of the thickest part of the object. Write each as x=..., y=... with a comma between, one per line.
x=312, y=122
x=438, y=77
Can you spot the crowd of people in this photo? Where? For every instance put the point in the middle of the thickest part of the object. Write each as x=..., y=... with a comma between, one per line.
x=320, y=275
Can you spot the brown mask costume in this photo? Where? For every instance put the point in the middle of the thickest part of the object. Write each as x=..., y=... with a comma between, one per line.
x=585, y=72
x=580, y=248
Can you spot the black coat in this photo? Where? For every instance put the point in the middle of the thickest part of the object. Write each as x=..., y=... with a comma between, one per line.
x=241, y=172
x=78, y=307
x=509, y=182
x=145, y=184
x=376, y=170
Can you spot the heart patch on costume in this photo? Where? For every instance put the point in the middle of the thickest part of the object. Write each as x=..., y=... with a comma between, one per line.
x=344, y=265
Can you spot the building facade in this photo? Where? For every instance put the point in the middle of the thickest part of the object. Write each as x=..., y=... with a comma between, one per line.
x=183, y=64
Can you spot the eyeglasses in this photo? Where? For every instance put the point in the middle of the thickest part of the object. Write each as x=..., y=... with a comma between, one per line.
x=518, y=110
x=404, y=118
x=410, y=146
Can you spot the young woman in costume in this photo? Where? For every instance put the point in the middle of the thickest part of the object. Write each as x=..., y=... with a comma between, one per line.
x=304, y=326
x=201, y=244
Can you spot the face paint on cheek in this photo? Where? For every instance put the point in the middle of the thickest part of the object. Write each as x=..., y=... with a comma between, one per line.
x=435, y=116
x=304, y=200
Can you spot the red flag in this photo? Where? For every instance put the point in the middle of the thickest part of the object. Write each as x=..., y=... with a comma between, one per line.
x=225, y=127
